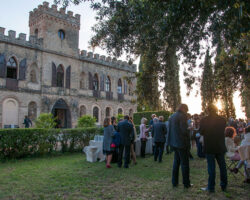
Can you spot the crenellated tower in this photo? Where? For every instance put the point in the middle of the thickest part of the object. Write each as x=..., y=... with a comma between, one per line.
x=58, y=29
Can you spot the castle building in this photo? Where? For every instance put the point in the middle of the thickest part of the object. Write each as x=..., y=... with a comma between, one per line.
x=49, y=74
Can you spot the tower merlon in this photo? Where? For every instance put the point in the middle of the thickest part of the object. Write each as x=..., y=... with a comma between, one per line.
x=84, y=53
x=96, y=56
x=22, y=36
x=90, y=54
x=2, y=30
x=12, y=34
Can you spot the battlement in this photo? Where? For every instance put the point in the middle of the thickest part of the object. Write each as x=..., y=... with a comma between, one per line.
x=107, y=61
x=21, y=39
x=73, y=20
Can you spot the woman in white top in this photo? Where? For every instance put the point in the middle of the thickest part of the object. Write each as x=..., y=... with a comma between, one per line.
x=232, y=153
x=143, y=136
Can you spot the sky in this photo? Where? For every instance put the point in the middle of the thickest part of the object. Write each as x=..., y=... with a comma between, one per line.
x=14, y=15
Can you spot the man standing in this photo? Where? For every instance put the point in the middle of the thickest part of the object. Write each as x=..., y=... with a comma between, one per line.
x=27, y=122
x=126, y=130
x=159, y=131
x=212, y=128
x=179, y=140
x=152, y=121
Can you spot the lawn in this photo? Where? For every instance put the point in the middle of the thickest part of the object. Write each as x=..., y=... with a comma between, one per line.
x=69, y=176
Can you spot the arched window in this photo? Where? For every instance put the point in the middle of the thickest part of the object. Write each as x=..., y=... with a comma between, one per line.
x=36, y=32
x=59, y=76
x=33, y=78
x=32, y=110
x=82, y=80
x=61, y=34
x=119, y=87
x=131, y=112
x=95, y=82
x=96, y=113
x=108, y=112
x=82, y=111
x=120, y=111
x=107, y=84
x=12, y=68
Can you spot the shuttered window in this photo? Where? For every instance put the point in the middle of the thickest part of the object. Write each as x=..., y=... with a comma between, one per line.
x=22, y=69
x=68, y=72
x=53, y=80
x=2, y=66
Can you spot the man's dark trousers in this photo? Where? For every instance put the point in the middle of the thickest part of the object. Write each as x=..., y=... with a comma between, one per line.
x=181, y=157
x=159, y=148
x=127, y=155
x=211, y=170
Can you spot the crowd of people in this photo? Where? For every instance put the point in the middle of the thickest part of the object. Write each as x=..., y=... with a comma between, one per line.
x=212, y=136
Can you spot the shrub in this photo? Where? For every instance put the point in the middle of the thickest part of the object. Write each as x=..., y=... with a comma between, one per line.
x=119, y=117
x=137, y=116
x=86, y=121
x=18, y=143
x=45, y=120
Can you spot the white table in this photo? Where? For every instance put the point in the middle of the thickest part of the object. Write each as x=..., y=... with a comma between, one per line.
x=149, y=147
x=99, y=145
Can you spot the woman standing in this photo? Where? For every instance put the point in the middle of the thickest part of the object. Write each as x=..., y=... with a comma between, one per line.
x=133, y=140
x=143, y=137
x=107, y=140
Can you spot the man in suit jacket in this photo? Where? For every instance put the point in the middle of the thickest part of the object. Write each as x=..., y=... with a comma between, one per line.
x=126, y=130
x=212, y=128
x=179, y=139
x=159, y=131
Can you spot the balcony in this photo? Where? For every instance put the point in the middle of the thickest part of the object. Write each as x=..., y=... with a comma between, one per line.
x=120, y=97
x=109, y=95
x=96, y=94
x=11, y=84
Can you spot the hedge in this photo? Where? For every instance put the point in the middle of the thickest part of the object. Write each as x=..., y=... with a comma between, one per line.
x=139, y=115
x=19, y=143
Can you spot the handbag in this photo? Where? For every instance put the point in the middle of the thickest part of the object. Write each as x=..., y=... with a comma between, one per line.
x=112, y=145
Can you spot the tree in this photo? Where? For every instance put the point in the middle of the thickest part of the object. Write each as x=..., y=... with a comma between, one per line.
x=171, y=91
x=133, y=26
x=225, y=81
x=147, y=83
x=86, y=121
x=45, y=120
x=208, y=90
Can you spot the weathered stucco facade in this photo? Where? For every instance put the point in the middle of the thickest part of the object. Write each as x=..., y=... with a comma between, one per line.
x=48, y=73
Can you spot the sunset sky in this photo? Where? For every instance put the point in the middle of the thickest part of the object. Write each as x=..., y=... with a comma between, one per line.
x=14, y=15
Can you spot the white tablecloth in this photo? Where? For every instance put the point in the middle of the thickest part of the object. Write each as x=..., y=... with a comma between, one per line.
x=149, y=146
x=99, y=145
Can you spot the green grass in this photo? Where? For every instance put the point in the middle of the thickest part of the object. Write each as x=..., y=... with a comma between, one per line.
x=69, y=176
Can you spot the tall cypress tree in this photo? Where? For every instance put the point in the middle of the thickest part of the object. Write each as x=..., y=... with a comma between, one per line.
x=148, y=95
x=207, y=83
x=171, y=91
x=225, y=82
